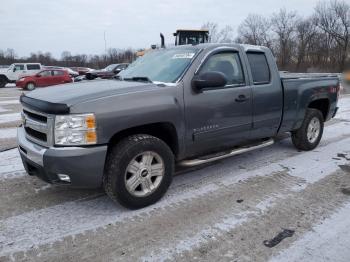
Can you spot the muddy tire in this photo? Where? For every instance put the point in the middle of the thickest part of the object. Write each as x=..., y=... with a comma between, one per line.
x=138, y=171
x=308, y=136
x=30, y=86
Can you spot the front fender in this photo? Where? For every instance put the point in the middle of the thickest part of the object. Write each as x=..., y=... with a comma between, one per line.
x=120, y=112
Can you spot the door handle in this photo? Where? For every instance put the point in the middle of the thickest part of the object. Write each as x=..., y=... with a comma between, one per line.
x=241, y=98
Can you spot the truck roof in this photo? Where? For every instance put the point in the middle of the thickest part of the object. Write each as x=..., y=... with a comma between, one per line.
x=234, y=45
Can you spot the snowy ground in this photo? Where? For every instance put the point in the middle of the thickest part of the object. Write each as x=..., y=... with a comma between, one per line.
x=223, y=211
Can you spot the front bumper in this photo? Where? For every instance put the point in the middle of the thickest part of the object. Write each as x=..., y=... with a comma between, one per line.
x=83, y=165
x=20, y=84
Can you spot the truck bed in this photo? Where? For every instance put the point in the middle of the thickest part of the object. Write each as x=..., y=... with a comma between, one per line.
x=287, y=75
x=299, y=90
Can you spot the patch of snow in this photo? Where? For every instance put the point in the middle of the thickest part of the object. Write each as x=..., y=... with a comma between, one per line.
x=9, y=102
x=227, y=224
x=8, y=97
x=8, y=133
x=5, y=118
x=43, y=188
x=328, y=241
x=10, y=164
x=344, y=108
x=75, y=217
x=2, y=110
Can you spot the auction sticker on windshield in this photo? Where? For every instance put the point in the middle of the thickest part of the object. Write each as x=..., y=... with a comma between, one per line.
x=183, y=56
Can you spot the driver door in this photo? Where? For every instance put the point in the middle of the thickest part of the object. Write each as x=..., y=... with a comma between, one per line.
x=219, y=117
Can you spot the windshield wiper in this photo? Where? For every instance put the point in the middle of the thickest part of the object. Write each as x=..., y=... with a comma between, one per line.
x=138, y=79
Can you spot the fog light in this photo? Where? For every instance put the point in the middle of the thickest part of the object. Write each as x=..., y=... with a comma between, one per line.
x=64, y=177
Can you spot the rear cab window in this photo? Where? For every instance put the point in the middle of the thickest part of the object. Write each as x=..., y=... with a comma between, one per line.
x=259, y=67
x=33, y=67
x=227, y=63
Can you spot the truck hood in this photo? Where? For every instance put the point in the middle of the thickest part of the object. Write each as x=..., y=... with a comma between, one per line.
x=3, y=70
x=74, y=93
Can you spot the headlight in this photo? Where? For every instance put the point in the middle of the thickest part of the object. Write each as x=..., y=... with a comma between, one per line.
x=21, y=79
x=75, y=129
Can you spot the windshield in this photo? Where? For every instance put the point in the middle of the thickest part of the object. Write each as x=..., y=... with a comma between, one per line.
x=110, y=67
x=165, y=65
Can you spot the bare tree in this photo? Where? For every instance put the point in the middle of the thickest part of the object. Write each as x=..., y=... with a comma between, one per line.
x=10, y=55
x=334, y=19
x=305, y=33
x=216, y=35
x=226, y=35
x=255, y=30
x=283, y=24
x=213, y=31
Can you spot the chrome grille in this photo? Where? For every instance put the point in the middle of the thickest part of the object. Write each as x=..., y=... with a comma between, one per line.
x=38, y=127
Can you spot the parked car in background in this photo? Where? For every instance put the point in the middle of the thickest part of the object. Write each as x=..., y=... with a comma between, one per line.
x=81, y=70
x=71, y=72
x=44, y=78
x=108, y=72
x=18, y=70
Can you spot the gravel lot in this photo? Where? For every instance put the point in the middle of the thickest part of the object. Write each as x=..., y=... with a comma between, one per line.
x=224, y=211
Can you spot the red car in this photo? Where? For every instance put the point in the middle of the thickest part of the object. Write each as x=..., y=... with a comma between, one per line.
x=44, y=78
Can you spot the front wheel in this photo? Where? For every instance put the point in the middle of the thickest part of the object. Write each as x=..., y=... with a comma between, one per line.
x=138, y=171
x=30, y=86
x=3, y=82
x=308, y=136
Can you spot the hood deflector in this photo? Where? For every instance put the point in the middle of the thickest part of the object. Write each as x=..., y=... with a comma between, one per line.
x=44, y=106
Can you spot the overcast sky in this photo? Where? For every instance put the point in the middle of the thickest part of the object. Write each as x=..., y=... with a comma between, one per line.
x=79, y=25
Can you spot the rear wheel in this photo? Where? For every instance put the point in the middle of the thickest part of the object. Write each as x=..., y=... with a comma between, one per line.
x=138, y=171
x=30, y=86
x=308, y=136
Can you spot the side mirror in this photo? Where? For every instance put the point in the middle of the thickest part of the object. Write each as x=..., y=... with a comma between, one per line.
x=14, y=69
x=209, y=80
x=38, y=75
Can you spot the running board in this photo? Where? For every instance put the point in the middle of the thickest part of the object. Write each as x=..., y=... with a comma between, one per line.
x=214, y=157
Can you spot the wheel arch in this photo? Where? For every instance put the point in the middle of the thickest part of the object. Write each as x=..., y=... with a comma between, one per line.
x=321, y=104
x=165, y=131
x=2, y=76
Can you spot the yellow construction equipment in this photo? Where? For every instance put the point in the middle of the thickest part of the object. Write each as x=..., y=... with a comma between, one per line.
x=182, y=37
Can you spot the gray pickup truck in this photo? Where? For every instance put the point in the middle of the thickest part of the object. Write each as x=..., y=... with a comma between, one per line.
x=186, y=106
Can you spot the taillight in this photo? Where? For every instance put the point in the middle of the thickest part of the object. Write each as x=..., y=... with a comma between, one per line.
x=333, y=89
x=339, y=87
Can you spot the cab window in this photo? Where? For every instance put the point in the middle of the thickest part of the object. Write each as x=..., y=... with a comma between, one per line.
x=33, y=67
x=227, y=63
x=259, y=67
x=19, y=67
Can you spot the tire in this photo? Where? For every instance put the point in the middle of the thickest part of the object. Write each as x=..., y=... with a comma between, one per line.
x=308, y=136
x=129, y=179
x=90, y=76
x=3, y=82
x=30, y=86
